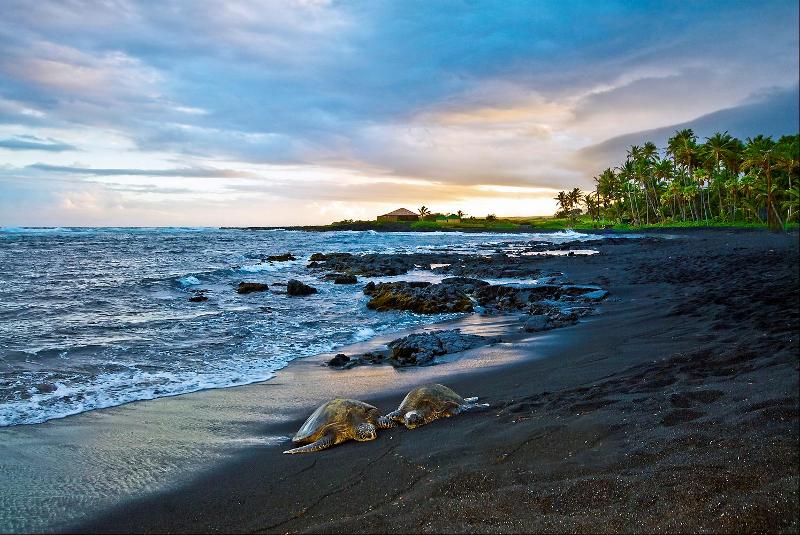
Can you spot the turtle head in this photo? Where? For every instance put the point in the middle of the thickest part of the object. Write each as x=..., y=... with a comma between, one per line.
x=413, y=419
x=366, y=431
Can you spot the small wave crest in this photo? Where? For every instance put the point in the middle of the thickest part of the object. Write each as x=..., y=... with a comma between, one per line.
x=362, y=334
x=189, y=280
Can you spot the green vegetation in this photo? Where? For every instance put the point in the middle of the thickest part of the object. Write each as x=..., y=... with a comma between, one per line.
x=425, y=225
x=530, y=224
x=722, y=182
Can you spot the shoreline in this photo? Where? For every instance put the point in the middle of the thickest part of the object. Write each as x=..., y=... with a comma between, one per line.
x=228, y=422
x=556, y=425
x=669, y=411
x=366, y=226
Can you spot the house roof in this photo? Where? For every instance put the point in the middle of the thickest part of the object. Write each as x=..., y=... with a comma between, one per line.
x=402, y=211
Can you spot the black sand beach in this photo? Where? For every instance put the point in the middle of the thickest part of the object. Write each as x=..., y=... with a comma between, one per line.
x=674, y=408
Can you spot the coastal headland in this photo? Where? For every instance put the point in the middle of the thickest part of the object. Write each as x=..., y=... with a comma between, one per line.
x=672, y=407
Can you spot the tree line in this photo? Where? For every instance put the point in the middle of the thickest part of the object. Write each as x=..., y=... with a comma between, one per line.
x=720, y=180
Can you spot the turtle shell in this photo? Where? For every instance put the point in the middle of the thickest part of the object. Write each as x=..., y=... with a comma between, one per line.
x=435, y=397
x=340, y=415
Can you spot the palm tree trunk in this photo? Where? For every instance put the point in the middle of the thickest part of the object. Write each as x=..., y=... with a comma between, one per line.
x=771, y=212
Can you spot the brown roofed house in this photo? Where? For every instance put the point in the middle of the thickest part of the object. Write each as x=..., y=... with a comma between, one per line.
x=401, y=214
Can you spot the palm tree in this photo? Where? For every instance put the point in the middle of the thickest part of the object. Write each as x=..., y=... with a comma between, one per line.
x=674, y=197
x=689, y=194
x=746, y=186
x=758, y=156
x=683, y=147
x=716, y=149
x=792, y=202
x=650, y=152
x=732, y=187
x=746, y=179
x=787, y=160
x=424, y=211
x=607, y=189
x=662, y=172
x=562, y=200
x=592, y=206
x=460, y=214
x=627, y=173
x=575, y=197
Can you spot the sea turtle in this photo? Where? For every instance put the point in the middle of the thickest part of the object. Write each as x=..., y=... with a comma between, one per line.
x=430, y=402
x=338, y=421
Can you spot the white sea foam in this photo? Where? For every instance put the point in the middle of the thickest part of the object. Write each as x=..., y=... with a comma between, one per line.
x=362, y=334
x=134, y=335
x=189, y=280
x=32, y=230
x=257, y=268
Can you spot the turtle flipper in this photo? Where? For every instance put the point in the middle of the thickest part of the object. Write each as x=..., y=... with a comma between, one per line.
x=395, y=416
x=469, y=404
x=321, y=444
x=384, y=422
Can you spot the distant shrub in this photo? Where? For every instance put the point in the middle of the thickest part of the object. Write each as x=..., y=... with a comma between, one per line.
x=422, y=225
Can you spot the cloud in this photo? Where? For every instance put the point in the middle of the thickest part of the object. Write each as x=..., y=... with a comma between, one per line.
x=35, y=143
x=188, y=172
x=456, y=95
x=774, y=113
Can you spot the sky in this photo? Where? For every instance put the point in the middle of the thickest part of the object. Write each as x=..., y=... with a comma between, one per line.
x=234, y=113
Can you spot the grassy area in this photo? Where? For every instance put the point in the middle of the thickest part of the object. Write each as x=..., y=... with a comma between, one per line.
x=467, y=224
x=529, y=224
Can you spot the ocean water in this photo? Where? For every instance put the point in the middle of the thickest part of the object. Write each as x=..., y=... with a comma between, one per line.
x=92, y=318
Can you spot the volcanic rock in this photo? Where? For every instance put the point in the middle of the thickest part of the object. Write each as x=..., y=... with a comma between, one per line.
x=250, y=287
x=420, y=349
x=281, y=257
x=296, y=288
x=419, y=297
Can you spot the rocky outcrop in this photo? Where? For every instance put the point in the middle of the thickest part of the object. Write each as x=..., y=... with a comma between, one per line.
x=501, y=299
x=546, y=315
x=281, y=257
x=583, y=293
x=250, y=287
x=419, y=297
x=296, y=288
x=376, y=265
x=341, y=278
x=547, y=306
x=537, y=323
x=495, y=266
x=418, y=349
x=198, y=296
x=462, y=294
x=342, y=361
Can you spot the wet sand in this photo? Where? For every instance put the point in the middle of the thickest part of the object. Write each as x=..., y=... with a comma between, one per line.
x=67, y=470
x=673, y=408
